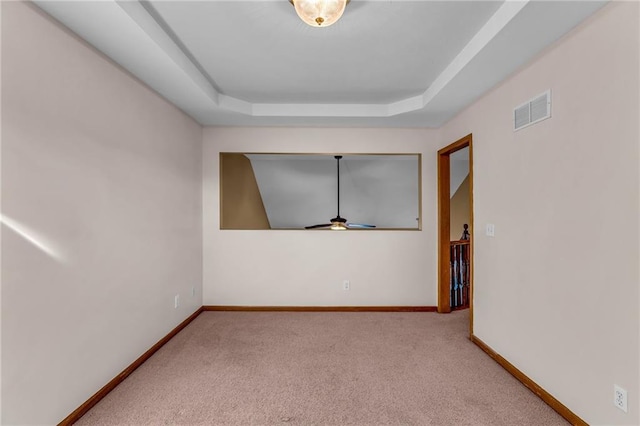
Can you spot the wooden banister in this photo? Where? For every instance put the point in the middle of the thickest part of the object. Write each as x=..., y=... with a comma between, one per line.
x=460, y=271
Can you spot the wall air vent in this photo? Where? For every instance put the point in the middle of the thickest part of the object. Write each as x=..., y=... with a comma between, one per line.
x=533, y=111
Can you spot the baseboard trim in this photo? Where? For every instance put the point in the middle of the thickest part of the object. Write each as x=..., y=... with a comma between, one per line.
x=89, y=403
x=320, y=308
x=549, y=399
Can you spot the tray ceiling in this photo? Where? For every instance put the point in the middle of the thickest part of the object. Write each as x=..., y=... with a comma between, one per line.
x=385, y=63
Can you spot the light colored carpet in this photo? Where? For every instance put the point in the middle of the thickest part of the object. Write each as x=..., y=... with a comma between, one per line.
x=302, y=368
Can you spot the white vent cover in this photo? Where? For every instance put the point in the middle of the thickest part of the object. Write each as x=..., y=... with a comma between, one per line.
x=533, y=111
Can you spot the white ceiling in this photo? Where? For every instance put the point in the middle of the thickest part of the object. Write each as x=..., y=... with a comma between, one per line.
x=458, y=169
x=276, y=58
x=301, y=190
x=385, y=63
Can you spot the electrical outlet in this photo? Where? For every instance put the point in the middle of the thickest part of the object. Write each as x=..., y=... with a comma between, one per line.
x=346, y=285
x=620, y=398
x=176, y=301
x=193, y=291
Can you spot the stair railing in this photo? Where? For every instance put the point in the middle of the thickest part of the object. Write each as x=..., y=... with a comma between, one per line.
x=460, y=258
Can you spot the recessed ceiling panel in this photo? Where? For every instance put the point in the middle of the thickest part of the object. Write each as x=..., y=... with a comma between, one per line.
x=386, y=63
x=379, y=52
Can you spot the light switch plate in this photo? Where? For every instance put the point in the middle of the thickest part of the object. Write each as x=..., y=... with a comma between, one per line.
x=491, y=230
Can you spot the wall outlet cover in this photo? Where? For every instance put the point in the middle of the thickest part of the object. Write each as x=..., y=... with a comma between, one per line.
x=620, y=398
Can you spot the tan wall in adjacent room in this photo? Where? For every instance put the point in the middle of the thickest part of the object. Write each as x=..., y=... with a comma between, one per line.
x=241, y=203
x=460, y=210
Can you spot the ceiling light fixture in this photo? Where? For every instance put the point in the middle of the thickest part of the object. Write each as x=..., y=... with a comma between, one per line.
x=319, y=13
x=338, y=226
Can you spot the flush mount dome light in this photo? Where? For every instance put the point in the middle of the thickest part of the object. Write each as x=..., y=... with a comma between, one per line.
x=319, y=13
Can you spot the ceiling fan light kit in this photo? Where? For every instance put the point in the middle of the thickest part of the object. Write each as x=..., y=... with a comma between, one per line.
x=338, y=226
x=319, y=13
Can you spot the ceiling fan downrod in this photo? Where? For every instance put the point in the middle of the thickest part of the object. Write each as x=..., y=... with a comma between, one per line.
x=338, y=218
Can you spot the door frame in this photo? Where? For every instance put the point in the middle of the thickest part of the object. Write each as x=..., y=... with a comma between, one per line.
x=444, y=217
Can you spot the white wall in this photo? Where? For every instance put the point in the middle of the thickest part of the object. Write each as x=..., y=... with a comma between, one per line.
x=0, y=211
x=556, y=289
x=105, y=176
x=307, y=267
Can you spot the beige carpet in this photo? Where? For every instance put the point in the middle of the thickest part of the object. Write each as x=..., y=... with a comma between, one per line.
x=299, y=368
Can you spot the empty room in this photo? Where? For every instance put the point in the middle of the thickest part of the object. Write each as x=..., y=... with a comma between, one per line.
x=320, y=212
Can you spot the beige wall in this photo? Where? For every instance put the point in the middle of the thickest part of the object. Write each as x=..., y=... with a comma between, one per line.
x=460, y=210
x=1, y=230
x=287, y=267
x=556, y=289
x=241, y=206
x=106, y=177
x=117, y=171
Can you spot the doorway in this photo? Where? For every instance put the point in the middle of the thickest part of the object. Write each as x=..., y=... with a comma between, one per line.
x=446, y=163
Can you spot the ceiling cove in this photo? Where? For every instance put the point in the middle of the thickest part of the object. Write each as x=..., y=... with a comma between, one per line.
x=384, y=64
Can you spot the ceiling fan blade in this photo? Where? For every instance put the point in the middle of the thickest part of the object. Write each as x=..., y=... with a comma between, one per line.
x=360, y=225
x=324, y=225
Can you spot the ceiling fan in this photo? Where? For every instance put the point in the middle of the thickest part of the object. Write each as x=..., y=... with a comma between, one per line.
x=340, y=223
